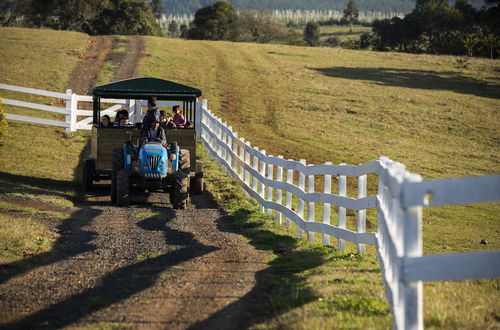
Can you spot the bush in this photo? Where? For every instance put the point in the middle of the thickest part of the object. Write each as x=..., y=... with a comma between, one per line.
x=350, y=44
x=365, y=40
x=331, y=42
x=3, y=120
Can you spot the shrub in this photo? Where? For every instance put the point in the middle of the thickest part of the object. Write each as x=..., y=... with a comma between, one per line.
x=331, y=42
x=350, y=44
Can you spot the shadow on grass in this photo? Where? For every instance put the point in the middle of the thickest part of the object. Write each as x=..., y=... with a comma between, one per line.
x=121, y=283
x=23, y=184
x=71, y=242
x=279, y=288
x=418, y=79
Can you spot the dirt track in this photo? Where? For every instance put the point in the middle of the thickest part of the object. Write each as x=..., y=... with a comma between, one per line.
x=143, y=266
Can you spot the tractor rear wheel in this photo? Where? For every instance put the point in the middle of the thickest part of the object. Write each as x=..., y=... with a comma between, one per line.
x=179, y=194
x=88, y=174
x=122, y=188
x=113, y=187
x=184, y=161
x=117, y=159
x=117, y=165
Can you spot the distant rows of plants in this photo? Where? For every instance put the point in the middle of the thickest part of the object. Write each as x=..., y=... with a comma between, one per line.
x=180, y=7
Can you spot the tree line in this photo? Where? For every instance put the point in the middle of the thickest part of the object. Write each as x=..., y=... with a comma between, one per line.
x=435, y=27
x=432, y=27
x=385, y=6
x=94, y=17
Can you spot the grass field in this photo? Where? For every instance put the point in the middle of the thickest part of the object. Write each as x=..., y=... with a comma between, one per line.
x=321, y=104
x=342, y=32
x=36, y=162
x=337, y=105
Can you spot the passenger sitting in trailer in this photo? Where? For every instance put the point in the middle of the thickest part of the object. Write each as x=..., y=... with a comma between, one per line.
x=152, y=114
x=124, y=123
x=166, y=120
x=106, y=121
x=179, y=119
x=122, y=114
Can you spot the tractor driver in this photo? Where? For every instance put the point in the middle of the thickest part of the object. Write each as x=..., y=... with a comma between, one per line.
x=154, y=132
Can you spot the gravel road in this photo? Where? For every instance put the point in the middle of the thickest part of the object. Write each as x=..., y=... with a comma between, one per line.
x=143, y=266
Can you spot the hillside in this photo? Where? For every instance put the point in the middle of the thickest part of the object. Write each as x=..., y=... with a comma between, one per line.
x=320, y=104
x=386, y=6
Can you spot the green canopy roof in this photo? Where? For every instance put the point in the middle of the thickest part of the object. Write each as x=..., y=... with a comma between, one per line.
x=143, y=88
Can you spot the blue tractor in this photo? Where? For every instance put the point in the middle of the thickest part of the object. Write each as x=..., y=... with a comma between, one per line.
x=135, y=165
x=150, y=167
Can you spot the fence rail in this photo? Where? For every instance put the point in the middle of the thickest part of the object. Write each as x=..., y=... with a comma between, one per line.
x=73, y=115
x=275, y=182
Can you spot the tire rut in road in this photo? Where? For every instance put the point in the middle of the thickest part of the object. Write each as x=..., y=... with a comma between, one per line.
x=142, y=266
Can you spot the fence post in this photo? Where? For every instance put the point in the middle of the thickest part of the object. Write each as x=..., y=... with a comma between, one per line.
x=234, y=149
x=327, y=189
x=361, y=214
x=279, y=192
x=412, y=294
x=342, y=211
x=310, y=206
x=241, y=156
x=300, y=206
x=230, y=145
x=247, y=163
x=289, y=180
x=256, y=168
x=131, y=109
x=269, y=195
x=71, y=109
x=262, y=190
x=198, y=116
x=138, y=111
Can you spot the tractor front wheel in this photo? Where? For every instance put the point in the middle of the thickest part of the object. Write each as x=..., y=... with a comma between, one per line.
x=179, y=194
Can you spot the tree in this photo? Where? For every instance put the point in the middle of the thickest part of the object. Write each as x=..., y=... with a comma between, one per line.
x=173, y=28
x=94, y=16
x=127, y=17
x=11, y=10
x=184, y=31
x=351, y=13
x=157, y=8
x=215, y=22
x=259, y=26
x=312, y=34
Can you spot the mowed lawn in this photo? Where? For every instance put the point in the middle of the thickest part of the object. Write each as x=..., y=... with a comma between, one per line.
x=331, y=104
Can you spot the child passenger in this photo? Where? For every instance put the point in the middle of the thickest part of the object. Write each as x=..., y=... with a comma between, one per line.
x=179, y=119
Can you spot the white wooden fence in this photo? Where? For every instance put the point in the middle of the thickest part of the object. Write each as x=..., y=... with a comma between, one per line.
x=73, y=114
x=399, y=202
x=270, y=180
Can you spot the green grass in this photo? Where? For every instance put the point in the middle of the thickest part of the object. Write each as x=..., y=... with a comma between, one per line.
x=342, y=32
x=20, y=238
x=37, y=163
